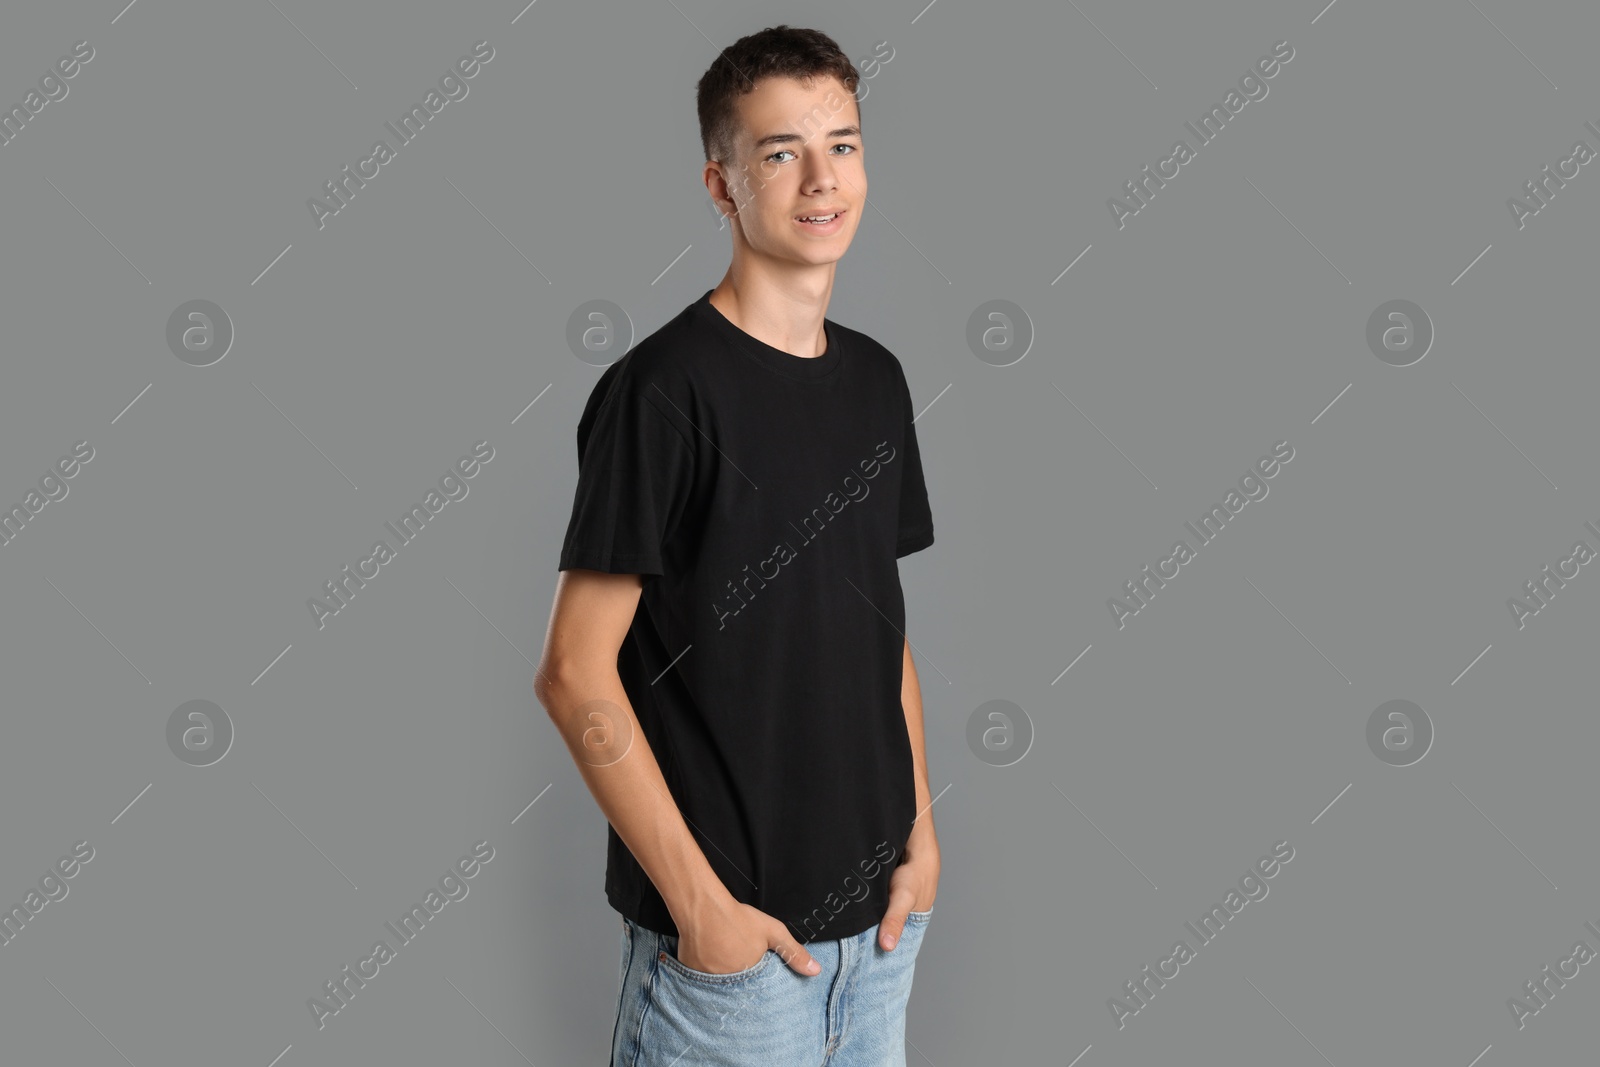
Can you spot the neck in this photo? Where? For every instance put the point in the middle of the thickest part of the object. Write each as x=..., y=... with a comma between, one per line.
x=782, y=310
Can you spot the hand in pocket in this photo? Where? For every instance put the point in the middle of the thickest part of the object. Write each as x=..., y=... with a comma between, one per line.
x=732, y=937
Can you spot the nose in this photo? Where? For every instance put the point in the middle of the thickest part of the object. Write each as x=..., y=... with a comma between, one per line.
x=820, y=175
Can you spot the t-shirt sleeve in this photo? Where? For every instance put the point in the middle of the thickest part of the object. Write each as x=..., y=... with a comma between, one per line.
x=635, y=471
x=916, y=518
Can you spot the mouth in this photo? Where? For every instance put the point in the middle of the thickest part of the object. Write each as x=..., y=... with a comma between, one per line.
x=821, y=223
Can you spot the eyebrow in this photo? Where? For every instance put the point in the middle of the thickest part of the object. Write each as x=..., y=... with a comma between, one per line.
x=788, y=138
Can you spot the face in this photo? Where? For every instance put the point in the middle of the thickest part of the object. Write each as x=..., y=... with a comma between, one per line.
x=798, y=154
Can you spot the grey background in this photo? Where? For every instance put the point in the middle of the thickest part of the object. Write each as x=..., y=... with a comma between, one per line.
x=1225, y=317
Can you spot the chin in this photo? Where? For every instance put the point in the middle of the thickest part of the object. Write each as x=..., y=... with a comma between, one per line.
x=822, y=257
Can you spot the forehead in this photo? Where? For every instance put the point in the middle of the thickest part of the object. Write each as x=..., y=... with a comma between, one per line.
x=782, y=110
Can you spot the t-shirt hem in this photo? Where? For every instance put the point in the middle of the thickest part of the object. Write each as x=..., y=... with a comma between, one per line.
x=847, y=922
x=593, y=559
x=651, y=919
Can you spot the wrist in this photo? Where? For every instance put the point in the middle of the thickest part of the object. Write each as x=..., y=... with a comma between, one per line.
x=923, y=844
x=701, y=905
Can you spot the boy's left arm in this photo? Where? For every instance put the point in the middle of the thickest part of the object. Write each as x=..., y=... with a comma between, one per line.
x=913, y=884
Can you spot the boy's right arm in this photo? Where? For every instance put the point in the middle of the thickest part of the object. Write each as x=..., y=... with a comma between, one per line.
x=578, y=685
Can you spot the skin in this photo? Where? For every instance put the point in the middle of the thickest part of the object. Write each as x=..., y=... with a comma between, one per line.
x=776, y=289
x=786, y=162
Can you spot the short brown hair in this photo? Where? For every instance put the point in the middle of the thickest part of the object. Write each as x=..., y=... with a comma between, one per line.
x=777, y=51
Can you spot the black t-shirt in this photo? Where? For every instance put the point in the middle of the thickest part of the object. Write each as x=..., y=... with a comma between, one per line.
x=766, y=498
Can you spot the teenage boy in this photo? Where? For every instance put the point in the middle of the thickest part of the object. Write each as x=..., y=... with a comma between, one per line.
x=726, y=657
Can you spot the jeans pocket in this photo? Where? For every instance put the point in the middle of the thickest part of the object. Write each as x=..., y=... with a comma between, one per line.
x=915, y=931
x=670, y=964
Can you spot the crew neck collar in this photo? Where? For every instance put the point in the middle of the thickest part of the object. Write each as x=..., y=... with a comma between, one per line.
x=806, y=368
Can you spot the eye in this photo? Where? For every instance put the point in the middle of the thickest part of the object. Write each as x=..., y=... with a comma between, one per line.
x=849, y=149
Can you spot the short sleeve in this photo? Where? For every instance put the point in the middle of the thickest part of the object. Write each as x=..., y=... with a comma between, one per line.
x=635, y=472
x=916, y=518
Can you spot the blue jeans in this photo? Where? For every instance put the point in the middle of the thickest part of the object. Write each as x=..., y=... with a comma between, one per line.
x=852, y=1013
